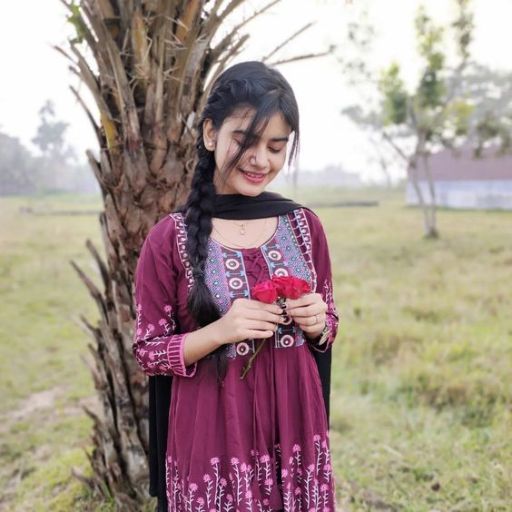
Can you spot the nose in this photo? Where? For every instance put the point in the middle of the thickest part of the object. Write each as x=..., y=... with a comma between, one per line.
x=258, y=156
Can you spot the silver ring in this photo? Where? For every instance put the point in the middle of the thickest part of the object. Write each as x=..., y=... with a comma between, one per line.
x=316, y=319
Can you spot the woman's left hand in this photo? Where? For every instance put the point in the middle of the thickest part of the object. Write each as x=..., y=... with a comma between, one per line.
x=309, y=313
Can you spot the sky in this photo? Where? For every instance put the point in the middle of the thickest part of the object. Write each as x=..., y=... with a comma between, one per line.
x=35, y=72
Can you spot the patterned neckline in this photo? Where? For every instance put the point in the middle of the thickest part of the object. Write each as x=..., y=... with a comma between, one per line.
x=250, y=249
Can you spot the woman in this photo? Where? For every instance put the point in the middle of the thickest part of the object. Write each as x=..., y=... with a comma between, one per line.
x=259, y=442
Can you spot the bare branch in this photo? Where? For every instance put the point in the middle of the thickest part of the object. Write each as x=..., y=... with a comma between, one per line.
x=127, y=105
x=87, y=34
x=229, y=37
x=303, y=57
x=234, y=50
x=286, y=41
x=230, y=8
x=95, y=126
x=93, y=289
x=395, y=146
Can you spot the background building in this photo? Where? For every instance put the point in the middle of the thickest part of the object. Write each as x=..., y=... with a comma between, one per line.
x=462, y=181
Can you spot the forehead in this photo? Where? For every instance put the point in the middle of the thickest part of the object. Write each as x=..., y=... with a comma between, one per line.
x=241, y=118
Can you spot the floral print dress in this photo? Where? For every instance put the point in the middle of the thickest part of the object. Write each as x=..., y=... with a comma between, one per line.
x=257, y=444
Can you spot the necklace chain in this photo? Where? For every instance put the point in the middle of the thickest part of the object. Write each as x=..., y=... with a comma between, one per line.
x=241, y=225
x=246, y=244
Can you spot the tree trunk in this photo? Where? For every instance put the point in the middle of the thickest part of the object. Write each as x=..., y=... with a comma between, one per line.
x=432, y=204
x=146, y=64
x=412, y=161
x=428, y=210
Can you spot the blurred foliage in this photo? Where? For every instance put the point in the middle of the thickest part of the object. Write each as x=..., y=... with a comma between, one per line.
x=395, y=98
x=54, y=169
x=76, y=20
x=436, y=104
x=51, y=135
x=16, y=167
x=434, y=113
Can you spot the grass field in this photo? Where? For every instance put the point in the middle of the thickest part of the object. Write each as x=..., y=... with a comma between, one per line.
x=422, y=387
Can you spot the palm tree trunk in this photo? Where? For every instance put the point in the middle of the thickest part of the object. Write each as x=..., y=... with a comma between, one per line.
x=146, y=64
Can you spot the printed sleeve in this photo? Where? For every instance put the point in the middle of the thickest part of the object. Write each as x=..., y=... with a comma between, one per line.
x=322, y=263
x=157, y=347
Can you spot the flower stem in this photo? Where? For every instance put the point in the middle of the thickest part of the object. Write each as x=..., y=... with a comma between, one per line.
x=280, y=302
x=248, y=365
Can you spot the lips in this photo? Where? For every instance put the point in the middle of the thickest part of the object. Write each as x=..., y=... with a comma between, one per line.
x=254, y=178
x=253, y=173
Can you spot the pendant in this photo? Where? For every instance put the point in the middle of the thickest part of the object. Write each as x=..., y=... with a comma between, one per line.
x=242, y=229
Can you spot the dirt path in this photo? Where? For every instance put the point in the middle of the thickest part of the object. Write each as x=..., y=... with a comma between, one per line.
x=15, y=468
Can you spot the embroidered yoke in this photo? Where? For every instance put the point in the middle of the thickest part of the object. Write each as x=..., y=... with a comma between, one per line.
x=258, y=444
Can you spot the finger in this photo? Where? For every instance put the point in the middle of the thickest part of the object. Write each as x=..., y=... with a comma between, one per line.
x=258, y=314
x=307, y=311
x=316, y=327
x=260, y=335
x=296, y=303
x=277, y=319
x=311, y=321
x=305, y=300
x=317, y=303
x=259, y=325
x=272, y=308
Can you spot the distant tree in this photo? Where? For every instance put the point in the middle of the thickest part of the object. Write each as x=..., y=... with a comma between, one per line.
x=50, y=137
x=16, y=168
x=55, y=163
x=435, y=114
x=491, y=95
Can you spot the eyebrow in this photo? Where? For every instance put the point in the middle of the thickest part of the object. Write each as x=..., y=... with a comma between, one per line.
x=274, y=139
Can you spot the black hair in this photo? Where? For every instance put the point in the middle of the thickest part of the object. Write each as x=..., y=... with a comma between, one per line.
x=265, y=90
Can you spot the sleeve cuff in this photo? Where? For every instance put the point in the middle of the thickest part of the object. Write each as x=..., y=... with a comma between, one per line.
x=327, y=342
x=318, y=348
x=175, y=357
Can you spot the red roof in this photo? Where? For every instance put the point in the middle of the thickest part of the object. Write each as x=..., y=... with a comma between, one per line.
x=463, y=166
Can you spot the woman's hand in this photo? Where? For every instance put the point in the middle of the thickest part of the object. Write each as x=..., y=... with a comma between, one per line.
x=248, y=319
x=309, y=313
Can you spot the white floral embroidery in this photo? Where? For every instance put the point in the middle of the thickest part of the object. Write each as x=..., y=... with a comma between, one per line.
x=303, y=488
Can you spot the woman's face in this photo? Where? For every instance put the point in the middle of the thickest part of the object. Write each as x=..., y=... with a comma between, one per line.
x=260, y=163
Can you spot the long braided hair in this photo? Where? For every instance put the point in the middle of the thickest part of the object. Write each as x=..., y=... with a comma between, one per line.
x=267, y=92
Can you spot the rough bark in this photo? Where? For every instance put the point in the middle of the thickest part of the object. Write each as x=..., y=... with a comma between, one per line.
x=146, y=64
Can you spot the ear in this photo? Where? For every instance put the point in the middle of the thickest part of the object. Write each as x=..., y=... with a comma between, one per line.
x=209, y=135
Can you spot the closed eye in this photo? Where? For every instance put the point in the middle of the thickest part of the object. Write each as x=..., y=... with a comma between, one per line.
x=272, y=149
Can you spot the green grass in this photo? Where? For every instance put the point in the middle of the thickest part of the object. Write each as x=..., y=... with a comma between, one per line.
x=43, y=381
x=422, y=394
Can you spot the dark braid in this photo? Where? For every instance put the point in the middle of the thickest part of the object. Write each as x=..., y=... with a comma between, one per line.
x=198, y=219
x=264, y=89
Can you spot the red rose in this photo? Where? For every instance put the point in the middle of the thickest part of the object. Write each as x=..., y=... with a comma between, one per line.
x=265, y=292
x=286, y=287
x=290, y=287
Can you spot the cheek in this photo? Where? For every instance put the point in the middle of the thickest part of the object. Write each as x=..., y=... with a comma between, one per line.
x=278, y=162
x=225, y=153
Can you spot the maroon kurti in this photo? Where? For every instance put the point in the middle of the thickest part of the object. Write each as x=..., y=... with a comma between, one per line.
x=257, y=444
